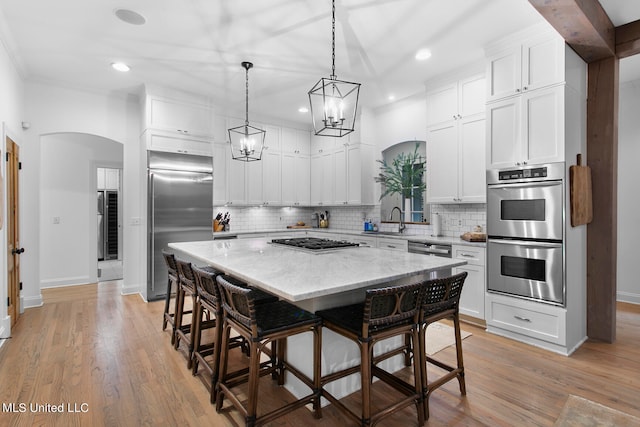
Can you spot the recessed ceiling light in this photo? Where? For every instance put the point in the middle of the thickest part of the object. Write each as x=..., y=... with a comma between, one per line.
x=130, y=17
x=303, y=110
x=391, y=97
x=423, y=54
x=120, y=66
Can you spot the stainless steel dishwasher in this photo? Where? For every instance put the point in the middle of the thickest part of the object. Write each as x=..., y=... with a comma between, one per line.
x=433, y=249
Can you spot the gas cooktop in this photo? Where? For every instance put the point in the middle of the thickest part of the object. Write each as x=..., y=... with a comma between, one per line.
x=314, y=244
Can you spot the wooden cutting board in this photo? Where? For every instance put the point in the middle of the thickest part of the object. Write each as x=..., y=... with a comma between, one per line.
x=580, y=184
x=298, y=226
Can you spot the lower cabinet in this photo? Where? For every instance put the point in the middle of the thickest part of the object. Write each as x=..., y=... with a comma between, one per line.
x=473, y=292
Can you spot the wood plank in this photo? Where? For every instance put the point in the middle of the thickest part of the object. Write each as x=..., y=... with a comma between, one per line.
x=602, y=154
x=583, y=24
x=91, y=344
x=628, y=39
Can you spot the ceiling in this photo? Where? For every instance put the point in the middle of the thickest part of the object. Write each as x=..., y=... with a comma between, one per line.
x=197, y=45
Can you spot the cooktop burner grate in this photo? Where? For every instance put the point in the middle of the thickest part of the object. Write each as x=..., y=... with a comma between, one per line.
x=314, y=243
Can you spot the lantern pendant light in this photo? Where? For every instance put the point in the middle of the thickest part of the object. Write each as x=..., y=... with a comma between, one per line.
x=246, y=141
x=334, y=103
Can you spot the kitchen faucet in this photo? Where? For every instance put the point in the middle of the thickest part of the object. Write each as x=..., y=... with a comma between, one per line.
x=401, y=225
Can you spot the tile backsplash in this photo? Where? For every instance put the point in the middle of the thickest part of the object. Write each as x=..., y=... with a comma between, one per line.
x=456, y=219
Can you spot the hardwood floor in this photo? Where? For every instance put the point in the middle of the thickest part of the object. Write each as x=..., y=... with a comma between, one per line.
x=105, y=356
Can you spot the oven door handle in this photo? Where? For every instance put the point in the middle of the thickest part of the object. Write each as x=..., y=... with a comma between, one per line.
x=526, y=184
x=527, y=243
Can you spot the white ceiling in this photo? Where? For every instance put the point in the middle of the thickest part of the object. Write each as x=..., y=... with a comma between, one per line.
x=197, y=45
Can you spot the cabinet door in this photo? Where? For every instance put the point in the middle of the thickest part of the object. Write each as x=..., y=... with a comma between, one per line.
x=253, y=171
x=316, y=179
x=442, y=163
x=542, y=62
x=301, y=180
x=504, y=71
x=176, y=116
x=289, y=178
x=162, y=140
x=503, y=133
x=236, y=188
x=221, y=156
x=327, y=182
x=271, y=177
x=472, y=298
x=472, y=166
x=442, y=104
x=543, y=125
x=471, y=96
x=340, y=174
x=355, y=176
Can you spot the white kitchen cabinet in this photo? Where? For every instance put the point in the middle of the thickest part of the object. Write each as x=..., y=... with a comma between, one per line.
x=236, y=189
x=187, y=118
x=473, y=292
x=322, y=178
x=526, y=129
x=271, y=177
x=163, y=140
x=295, y=141
x=455, y=161
x=535, y=63
x=108, y=179
x=253, y=181
x=456, y=100
x=296, y=179
x=221, y=154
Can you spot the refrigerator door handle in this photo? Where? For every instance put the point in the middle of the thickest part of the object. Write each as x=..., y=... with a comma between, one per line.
x=153, y=226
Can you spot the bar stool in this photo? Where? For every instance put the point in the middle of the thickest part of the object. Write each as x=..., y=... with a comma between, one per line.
x=184, y=331
x=387, y=312
x=172, y=282
x=261, y=325
x=441, y=301
x=208, y=301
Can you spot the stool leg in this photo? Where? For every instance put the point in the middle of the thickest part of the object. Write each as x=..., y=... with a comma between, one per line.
x=216, y=358
x=317, y=370
x=460, y=376
x=365, y=381
x=178, y=316
x=422, y=360
x=254, y=378
x=194, y=318
x=224, y=354
x=417, y=374
x=166, y=305
x=196, y=336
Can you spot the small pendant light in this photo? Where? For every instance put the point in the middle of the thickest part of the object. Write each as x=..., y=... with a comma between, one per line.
x=246, y=141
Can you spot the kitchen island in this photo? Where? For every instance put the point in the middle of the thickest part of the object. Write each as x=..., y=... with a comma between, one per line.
x=315, y=281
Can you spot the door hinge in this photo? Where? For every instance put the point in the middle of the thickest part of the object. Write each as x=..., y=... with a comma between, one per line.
x=8, y=301
x=7, y=156
x=19, y=165
x=20, y=285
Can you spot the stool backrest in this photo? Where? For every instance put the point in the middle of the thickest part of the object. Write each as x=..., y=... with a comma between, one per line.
x=207, y=285
x=185, y=273
x=237, y=303
x=170, y=261
x=443, y=294
x=390, y=306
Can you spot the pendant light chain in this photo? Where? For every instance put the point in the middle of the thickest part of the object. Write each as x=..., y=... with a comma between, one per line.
x=333, y=39
x=246, y=112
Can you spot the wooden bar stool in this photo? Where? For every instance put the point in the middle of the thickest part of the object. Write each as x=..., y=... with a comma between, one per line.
x=172, y=290
x=386, y=312
x=207, y=352
x=261, y=325
x=441, y=301
x=185, y=331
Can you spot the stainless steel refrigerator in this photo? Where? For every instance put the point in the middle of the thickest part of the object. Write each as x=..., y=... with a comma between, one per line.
x=180, y=191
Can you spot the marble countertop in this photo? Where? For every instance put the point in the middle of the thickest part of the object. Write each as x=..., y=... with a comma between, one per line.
x=297, y=275
x=413, y=237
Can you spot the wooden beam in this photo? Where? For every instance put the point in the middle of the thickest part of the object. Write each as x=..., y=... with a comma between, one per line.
x=584, y=25
x=602, y=157
x=628, y=39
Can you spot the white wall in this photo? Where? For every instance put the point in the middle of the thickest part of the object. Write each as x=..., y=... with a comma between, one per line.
x=68, y=233
x=628, y=195
x=53, y=110
x=11, y=114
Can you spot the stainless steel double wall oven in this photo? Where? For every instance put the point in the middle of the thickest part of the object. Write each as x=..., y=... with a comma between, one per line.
x=525, y=227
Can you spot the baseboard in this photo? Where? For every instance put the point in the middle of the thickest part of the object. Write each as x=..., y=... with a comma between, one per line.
x=130, y=289
x=65, y=281
x=5, y=330
x=628, y=297
x=31, y=302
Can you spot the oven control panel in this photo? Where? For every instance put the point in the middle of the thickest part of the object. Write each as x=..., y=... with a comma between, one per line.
x=522, y=174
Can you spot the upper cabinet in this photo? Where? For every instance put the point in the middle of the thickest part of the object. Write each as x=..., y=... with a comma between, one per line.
x=535, y=63
x=534, y=82
x=456, y=142
x=456, y=100
x=178, y=116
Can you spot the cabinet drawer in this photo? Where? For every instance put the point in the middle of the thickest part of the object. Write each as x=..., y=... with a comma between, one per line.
x=393, y=244
x=531, y=319
x=473, y=255
x=368, y=242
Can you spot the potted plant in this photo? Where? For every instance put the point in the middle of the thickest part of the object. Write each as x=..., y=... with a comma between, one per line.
x=403, y=176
